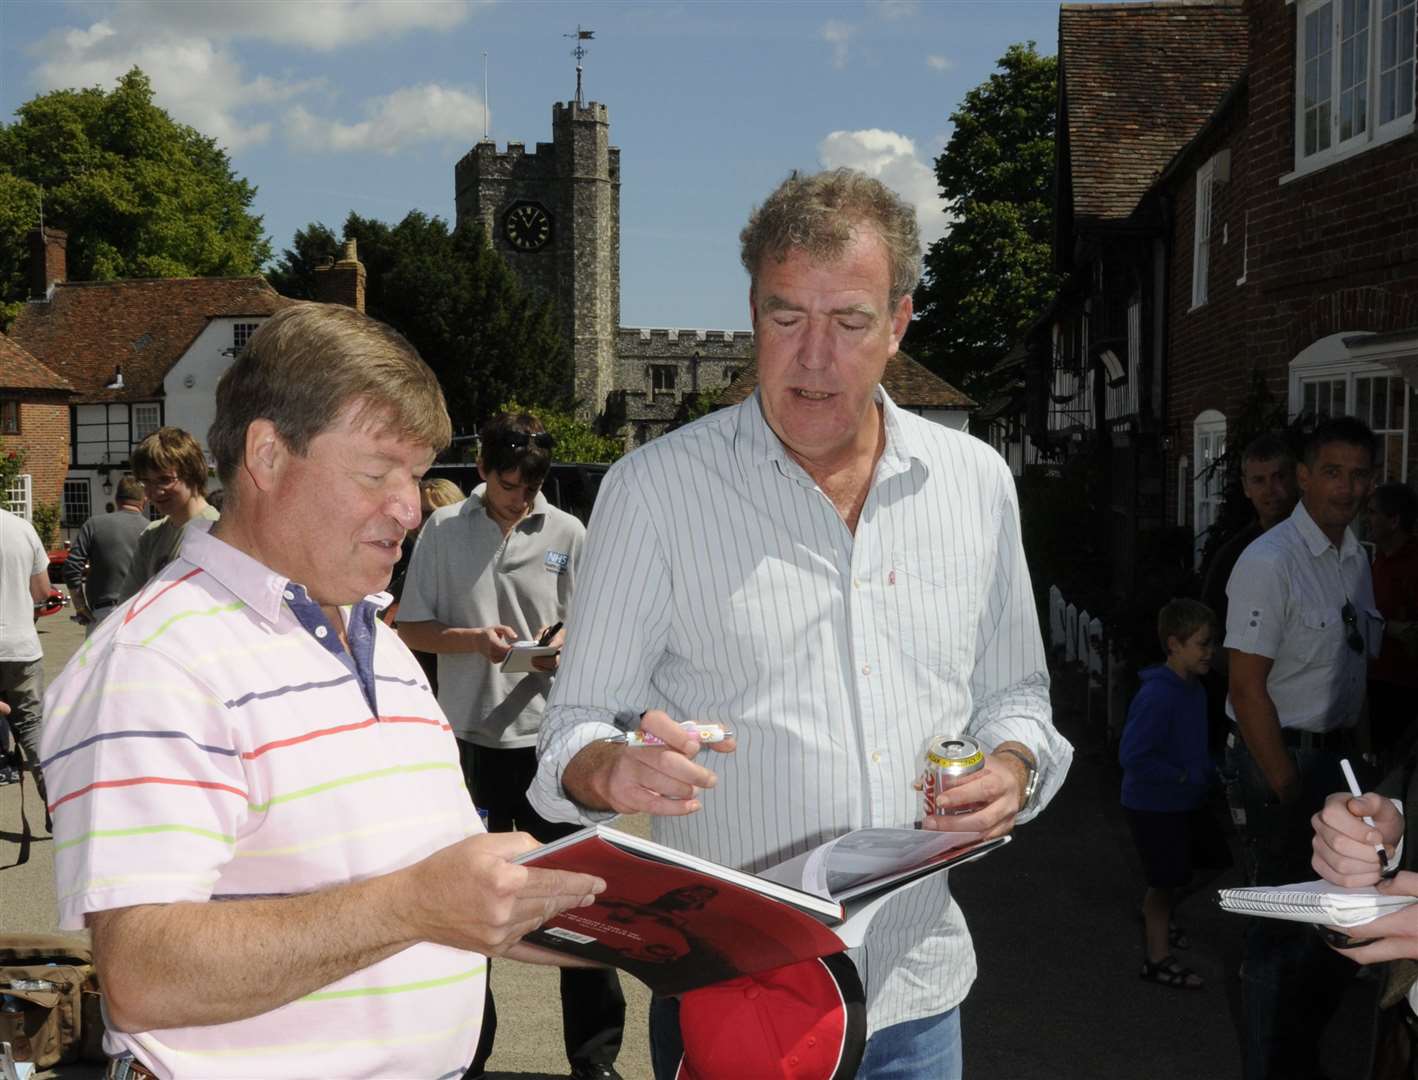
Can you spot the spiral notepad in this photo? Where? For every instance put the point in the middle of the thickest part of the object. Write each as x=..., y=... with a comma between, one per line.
x=1313, y=902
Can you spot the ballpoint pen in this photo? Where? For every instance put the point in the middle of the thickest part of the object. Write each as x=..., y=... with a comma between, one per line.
x=1353, y=783
x=548, y=634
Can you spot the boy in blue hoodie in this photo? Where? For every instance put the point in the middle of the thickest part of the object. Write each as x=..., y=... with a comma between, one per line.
x=1166, y=774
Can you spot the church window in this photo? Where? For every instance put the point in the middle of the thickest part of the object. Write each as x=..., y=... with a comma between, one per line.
x=663, y=377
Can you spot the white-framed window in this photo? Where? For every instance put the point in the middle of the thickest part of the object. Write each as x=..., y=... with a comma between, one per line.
x=19, y=496
x=1201, y=233
x=241, y=333
x=76, y=502
x=1121, y=372
x=1354, y=66
x=1335, y=377
x=147, y=418
x=1208, y=483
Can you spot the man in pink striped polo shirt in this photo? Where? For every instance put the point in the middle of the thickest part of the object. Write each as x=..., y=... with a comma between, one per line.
x=257, y=802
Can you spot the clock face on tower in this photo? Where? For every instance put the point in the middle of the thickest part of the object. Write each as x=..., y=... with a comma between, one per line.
x=527, y=226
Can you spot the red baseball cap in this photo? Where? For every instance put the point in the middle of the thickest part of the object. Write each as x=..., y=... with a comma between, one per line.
x=804, y=1021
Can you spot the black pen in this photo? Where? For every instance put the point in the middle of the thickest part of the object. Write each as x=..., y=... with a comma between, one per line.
x=549, y=633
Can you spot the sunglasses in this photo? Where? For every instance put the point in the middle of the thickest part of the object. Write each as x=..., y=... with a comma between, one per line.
x=519, y=440
x=1352, y=637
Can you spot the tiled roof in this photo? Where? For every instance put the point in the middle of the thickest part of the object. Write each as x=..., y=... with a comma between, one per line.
x=143, y=326
x=908, y=382
x=21, y=371
x=1139, y=81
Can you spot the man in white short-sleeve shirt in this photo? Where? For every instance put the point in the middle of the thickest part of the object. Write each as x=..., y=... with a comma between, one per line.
x=1300, y=627
x=492, y=570
x=24, y=582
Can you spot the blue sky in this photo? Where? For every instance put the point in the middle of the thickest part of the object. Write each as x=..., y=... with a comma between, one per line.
x=337, y=105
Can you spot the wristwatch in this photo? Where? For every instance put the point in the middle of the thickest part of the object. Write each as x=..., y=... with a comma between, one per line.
x=1031, y=780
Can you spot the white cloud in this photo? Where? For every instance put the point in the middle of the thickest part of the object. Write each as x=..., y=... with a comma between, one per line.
x=192, y=53
x=939, y=63
x=313, y=24
x=413, y=114
x=192, y=78
x=837, y=34
x=894, y=160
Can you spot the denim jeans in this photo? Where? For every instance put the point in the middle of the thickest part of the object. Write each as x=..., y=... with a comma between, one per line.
x=929, y=1047
x=1291, y=983
x=916, y=1048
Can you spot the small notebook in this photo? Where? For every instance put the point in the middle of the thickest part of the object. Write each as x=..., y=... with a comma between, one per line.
x=1313, y=902
x=519, y=660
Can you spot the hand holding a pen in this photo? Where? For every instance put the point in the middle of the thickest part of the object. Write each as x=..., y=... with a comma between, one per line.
x=1344, y=843
x=555, y=636
x=663, y=780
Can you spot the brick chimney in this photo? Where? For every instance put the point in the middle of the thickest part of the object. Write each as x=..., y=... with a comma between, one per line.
x=47, y=260
x=342, y=282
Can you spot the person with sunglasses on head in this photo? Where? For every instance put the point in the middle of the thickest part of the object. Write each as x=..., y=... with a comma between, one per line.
x=172, y=468
x=494, y=569
x=1300, y=627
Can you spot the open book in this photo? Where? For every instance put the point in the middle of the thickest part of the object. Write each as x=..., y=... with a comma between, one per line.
x=676, y=921
x=1313, y=902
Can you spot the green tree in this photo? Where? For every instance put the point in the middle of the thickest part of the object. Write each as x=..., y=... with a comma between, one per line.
x=992, y=273
x=139, y=194
x=455, y=299
x=576, y=440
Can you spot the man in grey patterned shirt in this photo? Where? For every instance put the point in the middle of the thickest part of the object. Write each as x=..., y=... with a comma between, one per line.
x=833, y=579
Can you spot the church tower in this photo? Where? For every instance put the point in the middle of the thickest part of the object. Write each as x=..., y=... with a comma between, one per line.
x=554, y=215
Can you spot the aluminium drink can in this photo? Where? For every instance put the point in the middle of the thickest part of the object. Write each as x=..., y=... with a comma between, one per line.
x=950, y=759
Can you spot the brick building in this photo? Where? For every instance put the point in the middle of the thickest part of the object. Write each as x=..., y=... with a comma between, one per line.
x=1235, y=223
x=1296, y=240
x=1137, y=83
x=34, y=418
x=137, y=354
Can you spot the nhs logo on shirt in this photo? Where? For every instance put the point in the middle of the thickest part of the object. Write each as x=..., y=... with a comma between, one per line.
x=556, y=561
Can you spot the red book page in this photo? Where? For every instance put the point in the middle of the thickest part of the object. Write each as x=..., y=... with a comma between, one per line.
x=676, y=929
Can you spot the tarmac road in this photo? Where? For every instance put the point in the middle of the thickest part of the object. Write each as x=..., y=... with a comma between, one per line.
x=1054, y=916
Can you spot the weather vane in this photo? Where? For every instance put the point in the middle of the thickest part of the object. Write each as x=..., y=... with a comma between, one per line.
x=579, y=52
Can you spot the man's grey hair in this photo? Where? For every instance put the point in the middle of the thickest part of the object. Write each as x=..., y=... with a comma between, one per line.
x=819, y=214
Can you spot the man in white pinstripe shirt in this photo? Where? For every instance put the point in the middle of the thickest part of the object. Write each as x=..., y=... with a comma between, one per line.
x=836, y=581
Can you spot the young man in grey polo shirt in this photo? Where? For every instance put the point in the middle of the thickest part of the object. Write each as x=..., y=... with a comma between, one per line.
x=486, y=572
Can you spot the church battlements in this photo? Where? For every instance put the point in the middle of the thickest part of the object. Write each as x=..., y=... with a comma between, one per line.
x=633, y=339
x=486, y=160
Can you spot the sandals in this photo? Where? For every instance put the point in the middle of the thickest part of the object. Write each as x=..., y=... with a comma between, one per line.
x=1168, y=972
